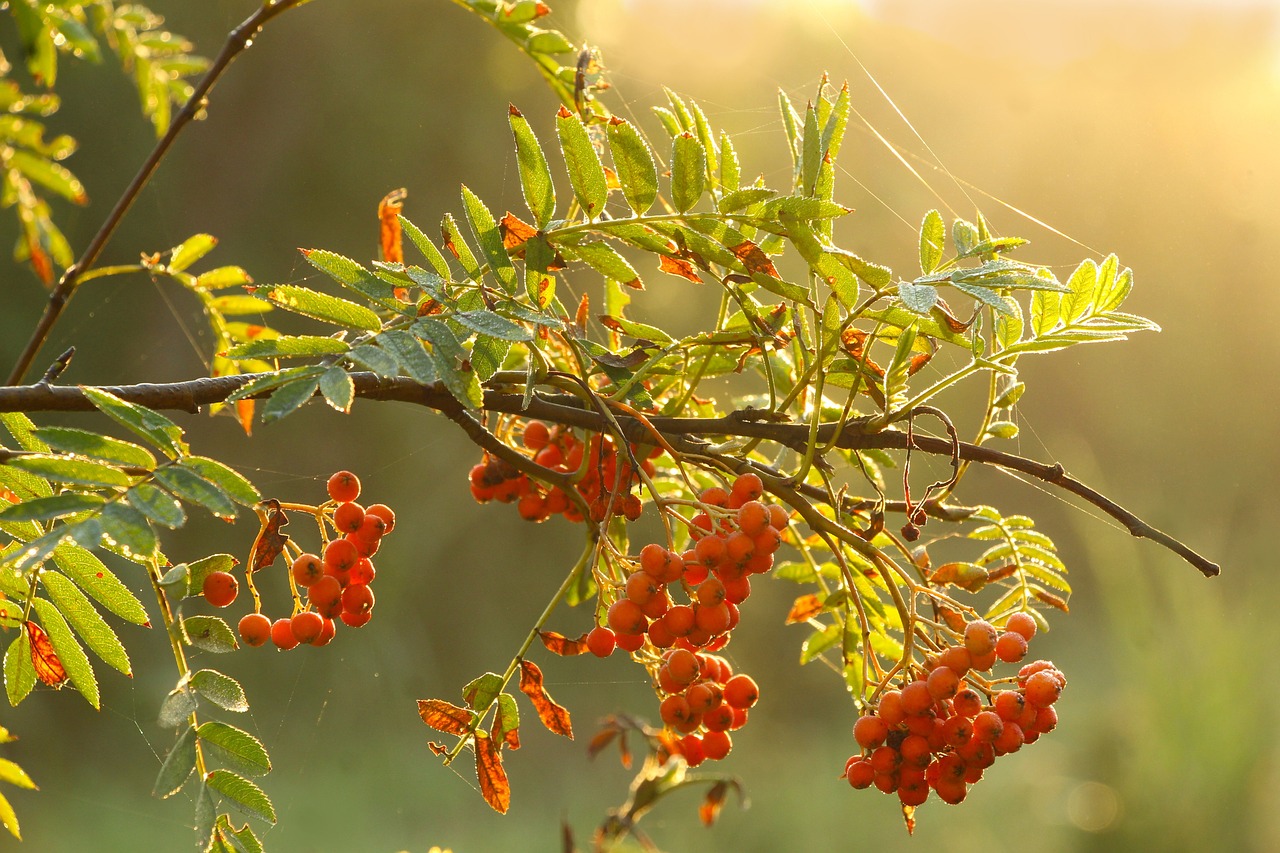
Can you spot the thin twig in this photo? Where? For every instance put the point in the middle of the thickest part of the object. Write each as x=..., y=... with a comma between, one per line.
x=569, y=410
x=238, y=40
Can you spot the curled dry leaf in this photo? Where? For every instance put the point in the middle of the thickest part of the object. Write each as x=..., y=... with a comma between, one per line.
x=48, y=667
x=555, y=717
x=491, y=775
x=444, y=716
x=559, y=644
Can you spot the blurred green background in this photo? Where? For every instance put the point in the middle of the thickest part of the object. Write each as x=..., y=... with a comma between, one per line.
x=1147, y=129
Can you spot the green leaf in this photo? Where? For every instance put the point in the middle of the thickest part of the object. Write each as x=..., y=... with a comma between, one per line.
x=535, y=174
x=77, y=472
x=190, y=250
x=157, y=505
x=1009, y=325
x=493, y=325
x=241, y=748
x=92, y=576
x=426, y=247
x=448, y=356
x=586, y=174
x=818, y=642
x=210, y=633
x=153, y=426
x=458, y=247
x=224, y=477
x=129, y=530
x=86, y=621
x=803, y=209
x=19, y=672
x=240, y=840
x=1046, y=311
x=216, y=279
x=15, y=775
x=1082, y=284
x=177, y=765
x=55, y=506
x=288, y=398
x=408, y=351
x=1002, y=304
x=222, y=690
x=485, y=229
x=488, y=355
x=193, y=488
x=265, y=383
x=289, y=346
x=323, y=307
x=73, y=658
x=604, y=259
x=242, y=794
x=919, y=298
x=480, y=692
x=634, y=164
x=91, y=444
x=810, y=151
x=197, y=571
x=376, y=359
x=1112, y=293
x=739, y=199
x=933, y=237
x=352, y=276
x=338, y=389
x=730, y=171
x=688, y=171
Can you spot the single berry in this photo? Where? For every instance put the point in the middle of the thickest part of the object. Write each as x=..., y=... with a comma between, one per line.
x=870, y=732
x=1011, y=647
x=307, y=569
x=536, y=435
x=356, y=620
x=255, y=629
x=220, y=588
x=325, y=595
x=357, y=599
x=1043, y=688
x=307, y=626
x=716, y=745
x=741, y=691
x=326, y=634
x=344, y=486
x=860, y=773
x=341, y=555
x=282, y=634
x=384, y=512
x=626, y=617
x=1023, y=623
x=600, y=641
x=348, y=517
x=979, y=638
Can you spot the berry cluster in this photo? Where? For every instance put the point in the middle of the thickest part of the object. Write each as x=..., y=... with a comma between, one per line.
x=937, y=733
x=733, y=537
x=337, y=583
x=608, y=476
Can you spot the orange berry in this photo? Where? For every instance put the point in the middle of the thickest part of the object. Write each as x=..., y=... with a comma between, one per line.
x=363, y=572
x=703, y=697
x=653, y=559
x=716, y=744
x=626, y=617
x=885, y=759
x=916, y=698
x=983, y=663
x=943, y=683
x=355, y=620
x=255, y=629
x=684, y=666
x=220, y=588
x=1011, y=647
x=641, y=587
x=679, y=620
x=987, y=727
x=967, y=703
x=600, y=641
x=307, y=569
x=325, y=595
x=629, y=642
x=327, y=632
x=748, y=487
x=348, y=517
x=957, y=730
x=1043, y=689
x=719, y=718
x=753, y=518
x=282, y=634
x=675, y=710
x=656, y=605
x=660, y=635
x=860, y=773
x=1023, y=623
x=741, y=691
x=710, y=551
x=778, y=517
x=979, y=637
x=1009, y=740
x=1009, y=704
x=740, y=547
x=870, y=732
x=344, y=486
x=915, y=750
x=536, y=435
x=890, y=708
x=714, y=496
x=691, y=749
x=306, y=626
x=341, y=555
x=957, y=659
x=383, y=512
x=768, y=541
x=713, y=620
x=737, y=591
x=710, y=592
x=357, y=598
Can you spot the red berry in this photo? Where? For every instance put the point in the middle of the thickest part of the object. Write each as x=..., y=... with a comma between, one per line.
x=348, y=517
x=357, y=598
x=716, y=745
x=1011, y=647
x=307, y=569
x=341, y=555
x=344, y=486
x=220, y=588
x=979, y=637
x=1023, y=623
x=741, y=691
x=356, y=620
x=325, y=595
x=383, y=512
x=326, y=634
x=860, y=773
x=255, y=629
x=600, y=641
x=307, y=626
x=1043, y=688
x=536, y=435
x=870, y=732
x=282, y=634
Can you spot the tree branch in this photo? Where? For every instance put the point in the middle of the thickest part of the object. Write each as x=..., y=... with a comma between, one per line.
x=238, y=40
x=569, y=410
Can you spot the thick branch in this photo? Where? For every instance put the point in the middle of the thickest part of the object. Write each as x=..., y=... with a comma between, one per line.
x=569, y=410
x=238, y=40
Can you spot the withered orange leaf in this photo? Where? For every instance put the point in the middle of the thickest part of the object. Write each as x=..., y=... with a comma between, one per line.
x=244, y=414
x=754, y=259
x=1051, y=599
x=45, y=660
x=491, y=775
x=918, y=361
x=611, y=179
x=584, y=309
x=554, y=717
x=805, y=608
x=678, y=266
x=710, y=808
x=270, y=541
x=515, y=232
x=389, y=226
x=600, y=740
x=40, y=262
x=444, y=716
x=561, y=645
x=624, y=751
x=8, y=496
x=447, y=239
x=1001, y=573
x=437, y=748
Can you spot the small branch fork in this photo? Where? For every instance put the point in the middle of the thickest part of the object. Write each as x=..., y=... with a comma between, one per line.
x=569, y=410
x=238, y=40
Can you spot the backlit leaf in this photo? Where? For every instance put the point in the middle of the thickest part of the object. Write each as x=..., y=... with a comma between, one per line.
x=804, y=608
x=678, y=266
x=323, y=307
x=493, y=325
x=586, y=173
x=553, y=716
x=634, y=164
x=190, y=250
x=688, y=171
x=491, y=775
x=153, y=426
x=76, y=472
x=535, y=175
x=9, y=818
x=505, y=730
x=288, y=398
x=55, y=506
x=241, y=748
x=86, y=621
x=216, y=279
x=408, y=352
x=480, y=692
x=74, y=663
x=445, y=717
x=237, y=487
x=338, y=389
x=269, y=543
x=561, y=645
x=91, y=575
x=604, y=259
x=933, y=237
x=426, y=247
x=19, y=669
x=389, y=234
x=485, y=229
x=210, y=633
x=289, y=346
x=193, y=488
x=242, y=794
x=222, y=690
x=91, y=444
